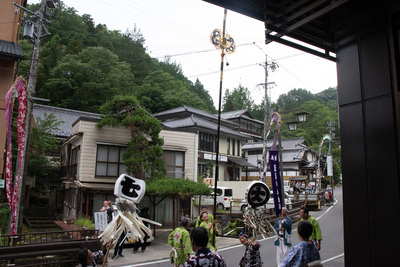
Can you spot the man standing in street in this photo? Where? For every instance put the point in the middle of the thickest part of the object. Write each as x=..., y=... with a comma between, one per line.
x=316, y=235
x=204, y=256
x=180, y=240
x=109, y=210
x=283, y=241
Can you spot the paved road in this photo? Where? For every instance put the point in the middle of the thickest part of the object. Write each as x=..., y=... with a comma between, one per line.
x=331, y=223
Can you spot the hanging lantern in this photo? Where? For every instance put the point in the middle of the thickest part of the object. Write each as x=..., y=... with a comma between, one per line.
x=292, y=125
x=301, y=116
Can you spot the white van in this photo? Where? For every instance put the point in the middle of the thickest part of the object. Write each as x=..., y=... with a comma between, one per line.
x=224, y=198
x=286, y=186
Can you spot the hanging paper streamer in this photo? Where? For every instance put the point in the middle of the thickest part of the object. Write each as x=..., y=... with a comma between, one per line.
x=19, y=87
x=130, y=191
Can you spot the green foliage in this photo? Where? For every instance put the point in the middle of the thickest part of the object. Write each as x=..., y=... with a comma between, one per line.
x=41, y=143
x=83, y=222
x=171, y=186
x=144, y=151
x=294, y=99
x=4, y=218
x=240, y=98
x=83, y=64
x=86, y=80
x=199, y=89
x=161, y=91
x=235, y=224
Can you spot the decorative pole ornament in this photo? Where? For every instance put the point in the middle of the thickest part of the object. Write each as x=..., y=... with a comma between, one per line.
x=220, y=42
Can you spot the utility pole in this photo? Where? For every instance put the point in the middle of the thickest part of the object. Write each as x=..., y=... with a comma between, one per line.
x=273, y=66
x=39, y=26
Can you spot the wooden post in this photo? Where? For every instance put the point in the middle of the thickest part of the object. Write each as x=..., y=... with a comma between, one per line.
x=173, y=211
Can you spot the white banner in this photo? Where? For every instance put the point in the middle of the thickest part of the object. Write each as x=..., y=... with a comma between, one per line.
x=100, y=221
x=329, y=169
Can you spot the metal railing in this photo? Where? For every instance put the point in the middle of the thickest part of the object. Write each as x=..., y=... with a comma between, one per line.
x=48, y=237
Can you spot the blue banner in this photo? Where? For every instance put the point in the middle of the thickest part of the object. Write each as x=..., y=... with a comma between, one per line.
x=276, y=180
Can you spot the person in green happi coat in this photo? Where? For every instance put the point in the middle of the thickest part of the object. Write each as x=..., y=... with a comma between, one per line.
x=210, y=217
x=180, y=240
x=211, y=228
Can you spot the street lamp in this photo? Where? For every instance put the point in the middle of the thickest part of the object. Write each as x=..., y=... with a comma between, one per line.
x=298, y=118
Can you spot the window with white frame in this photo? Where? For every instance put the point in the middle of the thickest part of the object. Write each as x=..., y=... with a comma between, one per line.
x=175, y=163
x=109, y=162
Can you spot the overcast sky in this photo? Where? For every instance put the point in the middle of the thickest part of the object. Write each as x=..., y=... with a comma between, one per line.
x=181, y=29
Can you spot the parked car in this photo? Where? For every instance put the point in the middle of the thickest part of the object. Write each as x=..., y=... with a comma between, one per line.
x=270, y=204
x=224, y=198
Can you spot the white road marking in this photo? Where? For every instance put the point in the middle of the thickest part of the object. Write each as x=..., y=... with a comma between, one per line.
x=333, y=258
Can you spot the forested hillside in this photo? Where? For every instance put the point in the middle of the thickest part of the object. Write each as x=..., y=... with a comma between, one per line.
x=82, y=65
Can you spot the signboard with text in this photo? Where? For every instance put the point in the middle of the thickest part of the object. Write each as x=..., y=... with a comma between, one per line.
x=100, y=221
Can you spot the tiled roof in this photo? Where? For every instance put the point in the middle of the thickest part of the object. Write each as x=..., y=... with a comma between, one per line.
x=10, y=49
x=186, y=111
x=233, y=114
x=242, y=113
x=290, y=143
x=292, y=148
x=66, y=116
x=194, y=121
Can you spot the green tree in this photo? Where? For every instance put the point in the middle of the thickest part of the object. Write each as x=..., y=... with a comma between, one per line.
x=85, y=81
x=144, y=152
x=161, y=91
x=257, y=111
x=75, y=46
x=328, y=97
x=294, y=99
x=130, y=48
x=240, y=98
x=198, y=88
x=41, y=143
x=66, y=22
x=315, y=126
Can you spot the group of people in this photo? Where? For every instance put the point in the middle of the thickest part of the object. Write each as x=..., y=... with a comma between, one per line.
x=297, y=186
x=144, y=213
x=328, y=196
x=306, y=252
x=201, y=240
x=309, y=233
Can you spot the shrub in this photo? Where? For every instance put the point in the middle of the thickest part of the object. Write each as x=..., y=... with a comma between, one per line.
x=83, y=222
x=4, y=218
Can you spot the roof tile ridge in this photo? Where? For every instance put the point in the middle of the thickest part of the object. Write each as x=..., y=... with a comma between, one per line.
x=193, y=119
x=65, y=109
